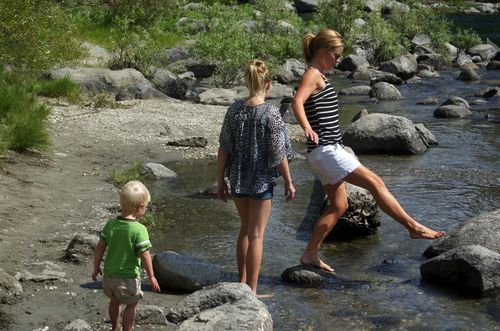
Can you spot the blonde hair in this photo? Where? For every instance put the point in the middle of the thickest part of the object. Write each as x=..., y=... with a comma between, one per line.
x=256, y=76
x=133, y=194
x=327, y=38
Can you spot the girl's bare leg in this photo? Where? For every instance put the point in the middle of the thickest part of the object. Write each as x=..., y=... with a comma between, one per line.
x=368, y=180
x=338, y=205
x=258, y=212
x=242, y=243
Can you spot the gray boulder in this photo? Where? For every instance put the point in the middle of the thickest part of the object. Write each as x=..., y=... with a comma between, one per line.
x=148, y=314
x=189, y=142
x=353, y=62
x=493, y=65
x=404, y=66
x=451, y=111
x=306, y=276
x=375, y=76
x=485, y=51
x=222, y=96
x=78, y=325
x=463, y=59
x=385, y=91
x=483, y=230
x=157, y=171
x=468, y=74
x=168, y=83
x=428, y=74
x=470, y=269
x=456, y=101
x=183, y=272
x=81, y=247
x=10, y=288
x=428, y=101
x=99, y=80
x=421, y=40
x=382, y=133
x=393, y=7
x=488, y=92
x=356, y=90
x=292, y=70
x=426, y=135
x=306, y=6
x=374, y=6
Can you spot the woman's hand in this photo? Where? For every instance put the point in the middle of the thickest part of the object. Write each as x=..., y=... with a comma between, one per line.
x=311, y=135
x=222, y=190
x=289, y=191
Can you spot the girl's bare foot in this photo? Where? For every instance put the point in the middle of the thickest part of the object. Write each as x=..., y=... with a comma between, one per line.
x=423, y=232
x=264, y=296
x=316, y=262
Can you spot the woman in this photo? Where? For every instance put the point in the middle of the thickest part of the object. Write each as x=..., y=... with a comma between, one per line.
x=316, y=108
x=253, y=153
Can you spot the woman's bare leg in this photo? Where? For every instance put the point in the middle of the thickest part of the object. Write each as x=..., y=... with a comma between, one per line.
x=258, y=211
x=338, y=205
x=242, y=204
x=368, y=180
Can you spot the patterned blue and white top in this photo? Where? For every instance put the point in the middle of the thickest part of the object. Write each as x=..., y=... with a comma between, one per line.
x=322, y=112
x=256, y=140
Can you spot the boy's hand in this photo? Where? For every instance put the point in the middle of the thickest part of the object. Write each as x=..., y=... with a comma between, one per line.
x=154, y=284
x=95, y=273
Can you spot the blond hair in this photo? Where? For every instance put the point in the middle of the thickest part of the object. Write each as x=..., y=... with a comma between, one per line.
x=327, y=38
x=133, y=194
x=256, y=76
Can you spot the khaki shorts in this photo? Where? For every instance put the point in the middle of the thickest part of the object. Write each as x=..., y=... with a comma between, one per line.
x=124, y=290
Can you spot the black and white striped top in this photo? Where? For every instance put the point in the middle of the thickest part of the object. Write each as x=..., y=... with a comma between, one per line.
x=322, y=112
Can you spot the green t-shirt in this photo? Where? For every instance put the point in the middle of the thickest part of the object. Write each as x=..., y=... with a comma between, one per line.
x=125, y=239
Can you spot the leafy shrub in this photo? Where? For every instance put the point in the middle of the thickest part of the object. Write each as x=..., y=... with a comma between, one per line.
x=465, y=38
x=152, y=220
x=36, y=37
x=386, y=40
x=22, y=116
x=58, y=88
x=122, y=176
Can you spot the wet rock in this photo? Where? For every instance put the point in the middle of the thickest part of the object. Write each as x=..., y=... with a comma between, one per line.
x=428, y=101
x=483, y=230
x=385, y=91
x=353, y=62
x=81, y=248
x=10, y=288
x=157, y=171
x=470, y=269
x=356, y=90
x=361, y=113
x=375, y=76
x=404, y=66
x=456, y=101
x=78, y=325
x=148, y=314
x=485, y=51
x=382, y=133
x=189, y=142
x=414, y=80
x=306, y=276
x=426, y=135
x=183, y=272
x=488, y=92
x=493, y=65
x=208, y=298
x=428, y=74
x=451, y=111
x=463, y=59
x=468, y=74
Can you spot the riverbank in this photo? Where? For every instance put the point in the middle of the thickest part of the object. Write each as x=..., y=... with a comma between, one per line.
x=50, y=197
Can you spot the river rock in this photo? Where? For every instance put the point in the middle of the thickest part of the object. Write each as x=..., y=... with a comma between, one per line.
x=356, y=90
x=435, y=60
x=385, y=91
x=463, y=59
x=208, y=298
x=451, y=111
x=470, y=269
x=353, y=62
x=485, y=51
x=428, y=74
x=404, y=66
x=451, y=50
x=468, y=74
x=200, y=67
x=168, y=83
x=149, y=314
x=488, y=92
x=78, y=325
x=98, y=80
x=426, y=135
x=382, y=133
x=157, y=171
x=483, y=230
x=189, y=142
x=222, y=96
x=375, y=76
x=81, y=247
x=486, y=8
x=362, y=217
x=374, y=6
x=183, y=272
x=428, y=101
x=292, y=70
x=361, y=113
x=493, y=65
x=10, y=288
x=421, y=40
x=393, y=7
x=456, y=101
x=306, y=276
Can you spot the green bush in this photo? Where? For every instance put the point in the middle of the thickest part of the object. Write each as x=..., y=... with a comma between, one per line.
x=152, y=220
x=22, y=116
x=122, y=176
x=58, y=88
x=465, y=38
x=35, y=35
x=386, y=40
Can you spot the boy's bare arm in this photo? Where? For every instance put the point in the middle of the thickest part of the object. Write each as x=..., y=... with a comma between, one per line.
x=148, y=265
x=99, y=252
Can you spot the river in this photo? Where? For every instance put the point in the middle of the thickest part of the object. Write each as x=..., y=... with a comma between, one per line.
x=381, y=287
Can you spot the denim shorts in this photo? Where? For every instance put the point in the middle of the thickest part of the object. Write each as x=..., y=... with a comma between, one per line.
x=268, y=194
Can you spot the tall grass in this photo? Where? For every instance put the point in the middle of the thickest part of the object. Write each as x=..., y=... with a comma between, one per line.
x=122, y=176
x=58, y=88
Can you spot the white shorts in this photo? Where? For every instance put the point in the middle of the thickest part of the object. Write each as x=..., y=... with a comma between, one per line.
x=332, y=163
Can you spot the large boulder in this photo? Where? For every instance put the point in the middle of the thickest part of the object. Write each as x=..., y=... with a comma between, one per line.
x=453, y=107
x=393, y=7
x=221, y=96
x=225, y=306
x=468, y=74
x=485, y=51
x=382, y=133
x=168, y=83
x=353, y=62
x=10, y=288
x=306, y=6
x=404, y=66
x=157, y=171
x=356, y=90
x=99, y=80
x=375, y=76
x=385, y=91
x=292, y=70
x=81, y=247
x=483, y=230
x=149, y=314
x=470, y=269
x=184, y=273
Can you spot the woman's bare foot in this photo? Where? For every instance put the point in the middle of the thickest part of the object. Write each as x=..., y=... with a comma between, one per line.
x=316, y=262
x=264, y=296
x=423, y=232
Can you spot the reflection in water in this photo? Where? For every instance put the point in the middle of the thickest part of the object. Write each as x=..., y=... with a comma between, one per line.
x=382, y=288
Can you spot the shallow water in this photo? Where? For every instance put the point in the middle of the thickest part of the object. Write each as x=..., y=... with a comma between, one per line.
x=380, y=286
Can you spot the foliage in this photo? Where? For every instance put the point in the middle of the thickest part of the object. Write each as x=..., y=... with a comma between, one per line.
x=22, y=116
x=386, y=40
x=340, y=15
x=465, y=38
x=122, y=176
x=58, y=88
x=152, y=220
x=37, y=37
